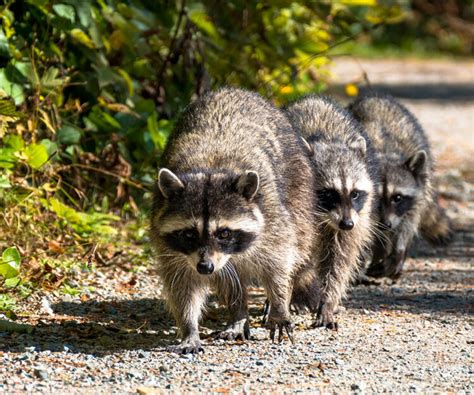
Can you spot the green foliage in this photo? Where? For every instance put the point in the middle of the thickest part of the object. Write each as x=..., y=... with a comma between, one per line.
x=7, y=303
x=84, y=224
x=10, y=267
x=109, y=77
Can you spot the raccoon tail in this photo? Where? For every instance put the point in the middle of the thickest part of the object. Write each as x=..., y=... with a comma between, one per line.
x=436, y=227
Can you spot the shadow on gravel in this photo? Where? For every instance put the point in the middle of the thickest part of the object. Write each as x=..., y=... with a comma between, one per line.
x=97, y=328
x=105, y=327
x=414, y=303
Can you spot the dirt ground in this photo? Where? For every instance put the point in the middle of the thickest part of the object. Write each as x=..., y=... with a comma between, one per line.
x=412, y=336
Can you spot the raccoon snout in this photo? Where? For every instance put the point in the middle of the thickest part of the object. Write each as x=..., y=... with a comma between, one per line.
x=346, y=224
x=205, y=267
x=387, y=224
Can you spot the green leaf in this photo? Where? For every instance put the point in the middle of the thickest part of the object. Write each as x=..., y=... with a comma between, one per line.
x=36, y=155
x=15, y=91
x=51, y=146
x=7, y=303
x=65, y=11
x=28, y=71
x=10, y=263
x=12, y=282
x=68, y=135
x=14, y=141
x=82, y=37
x=5, y=182
x=159, y=130
x=50, y=81
x=103, y=120
x=8, y=108
x=7, y=158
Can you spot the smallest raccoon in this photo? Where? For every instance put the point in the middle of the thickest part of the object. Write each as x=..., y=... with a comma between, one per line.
x=344, y=190
x=407, y=199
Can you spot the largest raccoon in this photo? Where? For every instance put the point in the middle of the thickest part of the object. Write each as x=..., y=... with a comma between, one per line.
x=408, y=201
x=231, y=205
x=345, y=177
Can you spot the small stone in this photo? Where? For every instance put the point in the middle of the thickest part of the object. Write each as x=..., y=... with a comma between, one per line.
x=164, y=369
x=41, y=373
x=259, y=363
x=143, y=354
x=360, y=386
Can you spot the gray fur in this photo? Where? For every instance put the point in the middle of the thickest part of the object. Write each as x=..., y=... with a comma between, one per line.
x=343, y=161
x=239, y=161
x=407, y=168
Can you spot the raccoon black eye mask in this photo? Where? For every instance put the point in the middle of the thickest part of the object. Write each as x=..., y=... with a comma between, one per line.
x=401, y=203
x=329, y=199
x=223, y=240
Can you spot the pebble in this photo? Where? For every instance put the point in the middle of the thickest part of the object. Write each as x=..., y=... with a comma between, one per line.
x=41, y=373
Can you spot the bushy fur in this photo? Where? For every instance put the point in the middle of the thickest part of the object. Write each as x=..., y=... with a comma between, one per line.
x=220, y=139
x=344, y=187
x=408, y=202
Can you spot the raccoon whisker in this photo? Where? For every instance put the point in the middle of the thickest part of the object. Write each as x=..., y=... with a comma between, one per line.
x=380, y=235
x=179, y=273
x=235, y=280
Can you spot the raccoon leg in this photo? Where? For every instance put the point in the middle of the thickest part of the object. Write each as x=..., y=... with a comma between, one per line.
x=306, y=296
x=380, y=253
x=233, y=292
x=335, y=273
x=394, y=263
x=186, y=302
x=277, y=284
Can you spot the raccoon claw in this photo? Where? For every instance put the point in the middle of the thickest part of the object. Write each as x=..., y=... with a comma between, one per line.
x=231, y=335
x=237, y=331
x=285, y=326
x=325, y=318
x=266, y=309
x=332, y=325
x=187, y=347
x=364, y=279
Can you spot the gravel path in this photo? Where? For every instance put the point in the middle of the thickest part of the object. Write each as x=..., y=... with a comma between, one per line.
x=412, y=336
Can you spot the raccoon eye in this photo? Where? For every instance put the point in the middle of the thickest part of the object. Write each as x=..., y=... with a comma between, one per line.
x=188, y=234
x=355, y=195
x=397, y=198
x=223, y=234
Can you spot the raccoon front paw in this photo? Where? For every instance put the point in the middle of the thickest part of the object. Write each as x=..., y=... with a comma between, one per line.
x=239, y=330
x=282, y=326
x=187, y=346
x=364, y=279
x=325, y=318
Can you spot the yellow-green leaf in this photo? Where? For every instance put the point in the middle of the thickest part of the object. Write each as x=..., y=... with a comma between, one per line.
x=82, y=37
x=36, y=155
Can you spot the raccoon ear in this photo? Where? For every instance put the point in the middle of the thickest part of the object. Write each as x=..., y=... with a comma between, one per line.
x=169, y=183
x=247, y=184
x=309, y=149
x=358, y=144
x=417, y=163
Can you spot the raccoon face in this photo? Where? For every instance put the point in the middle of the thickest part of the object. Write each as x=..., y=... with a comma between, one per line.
x=206, y=218
x=401, y=188
x=344, y=187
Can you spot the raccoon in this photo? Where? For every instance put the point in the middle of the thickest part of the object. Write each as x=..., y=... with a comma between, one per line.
x=345, y=177
x=407, y=198
x=231, y=205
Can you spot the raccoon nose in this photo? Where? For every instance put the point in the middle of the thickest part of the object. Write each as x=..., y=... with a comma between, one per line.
x=205, y=267
x=346, y=224
x=388, y=224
